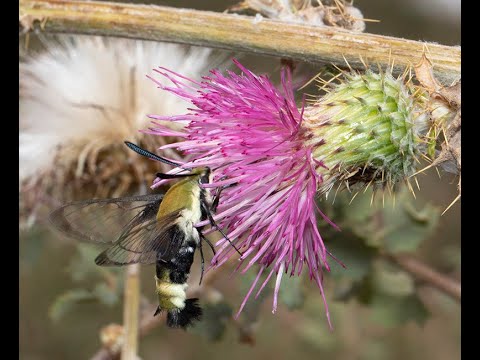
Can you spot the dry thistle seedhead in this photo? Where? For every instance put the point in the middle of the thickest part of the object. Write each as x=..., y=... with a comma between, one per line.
x=335, y=13
x=79, y=101
x=112, y=337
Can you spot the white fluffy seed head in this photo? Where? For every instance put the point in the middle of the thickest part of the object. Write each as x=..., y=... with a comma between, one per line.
x=82, y=97
x=84, y=87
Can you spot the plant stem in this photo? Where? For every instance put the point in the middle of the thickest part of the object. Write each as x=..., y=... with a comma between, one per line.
x=148, y=322
x=238, y=33
x=130, y=312
x=430, y=276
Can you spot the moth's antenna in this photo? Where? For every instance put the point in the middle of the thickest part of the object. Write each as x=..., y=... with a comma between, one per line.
x=150, y=155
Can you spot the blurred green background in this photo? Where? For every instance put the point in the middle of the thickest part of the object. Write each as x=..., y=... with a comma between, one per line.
x=360, y=331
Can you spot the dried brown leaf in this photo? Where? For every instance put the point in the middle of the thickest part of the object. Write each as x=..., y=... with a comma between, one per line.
x=424, y=74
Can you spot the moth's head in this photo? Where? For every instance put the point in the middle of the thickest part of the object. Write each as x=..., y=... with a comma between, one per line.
x=204, y=174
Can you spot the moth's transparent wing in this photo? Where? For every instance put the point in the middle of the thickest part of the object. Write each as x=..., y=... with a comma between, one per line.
x=105, y=220
x=129, y=225
x=145, y=242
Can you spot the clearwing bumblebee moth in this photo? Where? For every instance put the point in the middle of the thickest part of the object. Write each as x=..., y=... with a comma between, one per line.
x=151, y=229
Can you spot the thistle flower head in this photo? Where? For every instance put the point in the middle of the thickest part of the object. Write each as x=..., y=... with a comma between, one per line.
x=270, y=158
x=250, y=134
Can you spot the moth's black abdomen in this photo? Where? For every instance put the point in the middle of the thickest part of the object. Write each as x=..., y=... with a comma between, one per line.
x=187, y=316
x=181, y=264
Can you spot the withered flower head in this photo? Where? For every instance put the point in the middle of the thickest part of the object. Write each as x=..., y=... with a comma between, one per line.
x=79, y=101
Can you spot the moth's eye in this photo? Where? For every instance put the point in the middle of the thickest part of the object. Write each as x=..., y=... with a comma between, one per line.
x=204, y=179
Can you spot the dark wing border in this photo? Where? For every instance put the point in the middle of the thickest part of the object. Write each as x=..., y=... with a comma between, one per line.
x=146, y=243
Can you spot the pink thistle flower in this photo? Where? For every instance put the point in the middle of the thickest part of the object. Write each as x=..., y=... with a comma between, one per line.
x=250, y=134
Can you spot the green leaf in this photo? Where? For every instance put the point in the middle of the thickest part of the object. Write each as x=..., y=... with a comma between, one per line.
x=214, y=320
x=346, y=289
x=406, y=227
x=292, y=292
x=364, y=290
x=358, y=217
x=354, y=253
x=390, y=280
x=313, y=329
x=65, y=302
x=389, y=221
x=391, y=311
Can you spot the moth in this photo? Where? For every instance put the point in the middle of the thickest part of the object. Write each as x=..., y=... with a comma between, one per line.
x=155, y=229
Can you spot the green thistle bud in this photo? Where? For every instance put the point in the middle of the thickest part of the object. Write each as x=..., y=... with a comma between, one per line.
x=370, y=128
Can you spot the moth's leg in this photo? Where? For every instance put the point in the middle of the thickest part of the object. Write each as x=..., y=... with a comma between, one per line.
x=203, y=238
x=202, y=266
x=214, y=224
x=216, y=199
